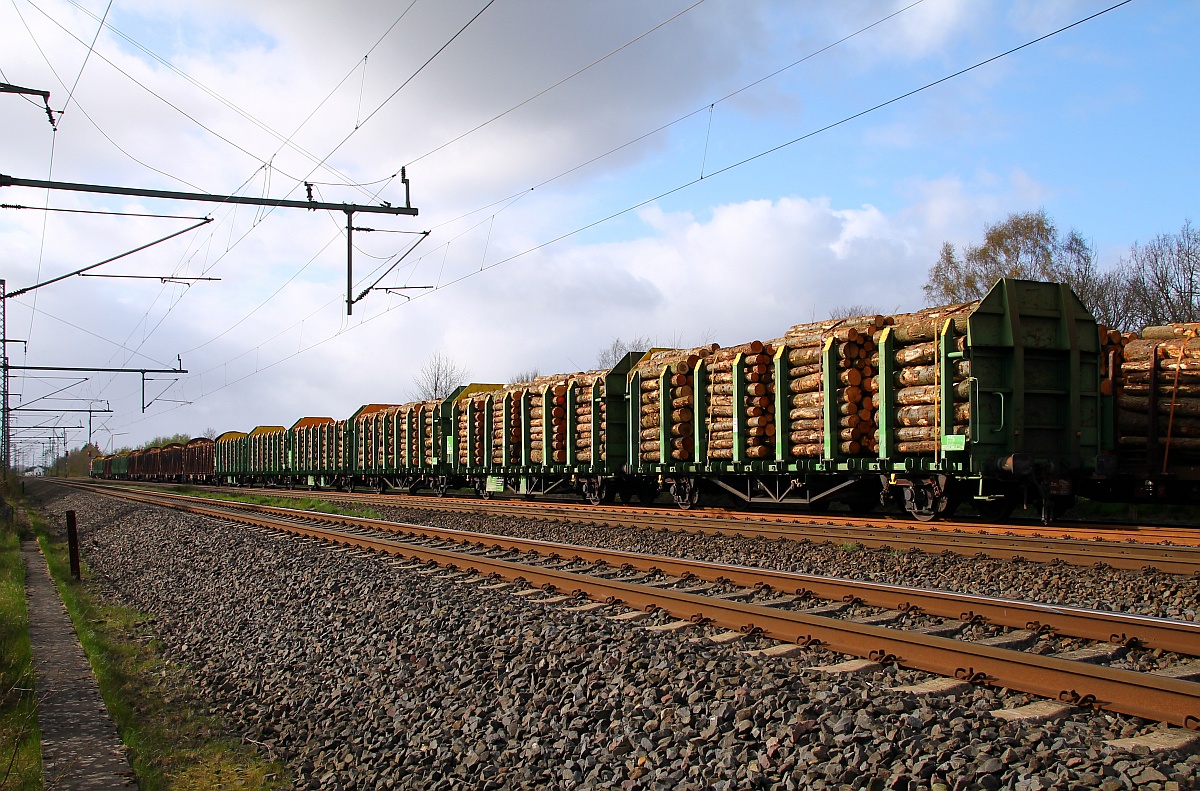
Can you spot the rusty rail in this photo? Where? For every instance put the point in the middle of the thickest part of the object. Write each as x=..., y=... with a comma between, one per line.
x=964, y=539
x=1124, y=691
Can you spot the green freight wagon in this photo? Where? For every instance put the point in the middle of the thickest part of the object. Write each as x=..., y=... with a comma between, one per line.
x=230, y=462
x=992, y=403
x=311, y=453
x=373, y=445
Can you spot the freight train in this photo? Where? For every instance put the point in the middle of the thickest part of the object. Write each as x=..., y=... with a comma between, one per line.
x=1018, y=399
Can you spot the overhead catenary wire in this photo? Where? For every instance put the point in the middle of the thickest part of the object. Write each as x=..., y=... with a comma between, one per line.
x=365, y=320
x=510, y=200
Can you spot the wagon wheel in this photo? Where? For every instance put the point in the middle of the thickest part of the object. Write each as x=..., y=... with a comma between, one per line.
x=925, y=504
x=685, y=493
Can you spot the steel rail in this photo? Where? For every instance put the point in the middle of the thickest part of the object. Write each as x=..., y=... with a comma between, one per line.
x=1171, y=559
x=1086, y=531
x=1127, y=629
x=1076, y=683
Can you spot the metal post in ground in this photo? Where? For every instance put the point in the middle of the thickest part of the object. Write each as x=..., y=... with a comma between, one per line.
x=73, y=544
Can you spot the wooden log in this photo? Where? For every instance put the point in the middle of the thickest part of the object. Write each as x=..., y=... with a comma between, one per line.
x=729, y=352
x=871, y=384
x=926, y=446
x=720, y=411
x=762, y=420
x=804, y=370
x=927, y=374
x=1171, y=331
x=1187, y=407
x=649, y=421
x=805, y=413
x=850, y=395
x=1138, y=423
x=720, y=453
x=681, y=430
x=681, y=454
x=806, y=437
x=1164, y=391
x=850, y=377
x=758, y=452
x=681, y=416
x=924, y=433
x=1176, y=443
x=1165, y=378
x=809, y=355
x=1144, y=350
x=806, y=384
x=816, y=399
x=682, y=392
x=720, y=443
x=928, y=415
x=929, y=394
x=808, y=449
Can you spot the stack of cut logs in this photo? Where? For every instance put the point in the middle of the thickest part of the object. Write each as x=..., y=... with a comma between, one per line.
x=1172, y=352
x=757, y=403
x=917, y=422
x=510, y=434
x=1112, y=355
x=427, y=411
x=680, y=380
x=471, y=435
x=856, y=360
x=548, y=420
x=587, y=421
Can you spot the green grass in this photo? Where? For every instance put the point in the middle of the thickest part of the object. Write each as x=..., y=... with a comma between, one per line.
x=20, y=742
x=302, y=504
x=172, y=745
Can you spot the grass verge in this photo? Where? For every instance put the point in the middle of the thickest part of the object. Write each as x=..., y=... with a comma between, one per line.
x=20, y=742
x=172, y=745
x=301, y=504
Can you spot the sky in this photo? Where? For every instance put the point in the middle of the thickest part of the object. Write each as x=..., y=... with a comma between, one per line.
x=683, y=171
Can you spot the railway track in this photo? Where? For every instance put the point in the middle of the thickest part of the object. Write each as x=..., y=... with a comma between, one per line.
x=1170, y=550
x=755, y=604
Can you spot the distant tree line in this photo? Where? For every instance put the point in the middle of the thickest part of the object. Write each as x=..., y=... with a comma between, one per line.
x=1156, y=283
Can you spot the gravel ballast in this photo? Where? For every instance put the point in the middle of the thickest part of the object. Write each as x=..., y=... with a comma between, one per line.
x=362, y=674
x=1121, y=590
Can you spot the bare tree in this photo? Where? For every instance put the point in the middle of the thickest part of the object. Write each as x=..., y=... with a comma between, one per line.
x=210, y=433
x=1163, y=279
x=611, y=355
x=1027, y=245
x=438, y=377
x=527, y=375
x=853, y=310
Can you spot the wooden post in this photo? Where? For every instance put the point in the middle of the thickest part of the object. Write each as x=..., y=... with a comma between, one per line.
x=73, y=544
